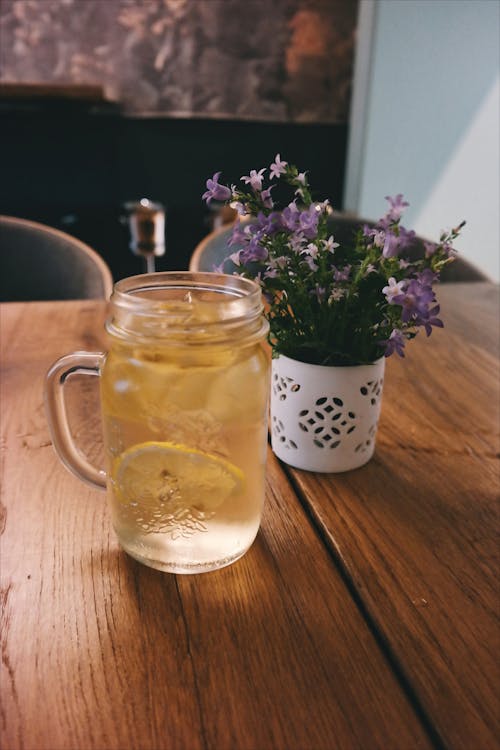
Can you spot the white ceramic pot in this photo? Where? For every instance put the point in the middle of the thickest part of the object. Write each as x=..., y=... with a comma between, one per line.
x=325, y=418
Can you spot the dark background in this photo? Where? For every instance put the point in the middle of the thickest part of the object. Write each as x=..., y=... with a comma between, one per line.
x=73, y=169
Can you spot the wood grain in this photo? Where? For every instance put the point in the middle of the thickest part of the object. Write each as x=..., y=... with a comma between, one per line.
x=416, y=530
x=101, y=653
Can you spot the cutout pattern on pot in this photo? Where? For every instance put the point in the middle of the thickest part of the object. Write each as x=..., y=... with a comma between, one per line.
x=327, y=422
x=325, y=419
x=365, y=444
x=372, y=390
x=283, y=385
x=278, y=429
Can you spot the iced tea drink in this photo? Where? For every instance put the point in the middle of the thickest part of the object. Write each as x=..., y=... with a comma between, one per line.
x=184, y=391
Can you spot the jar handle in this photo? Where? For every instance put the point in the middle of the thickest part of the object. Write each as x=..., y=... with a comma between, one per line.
x=87, y=363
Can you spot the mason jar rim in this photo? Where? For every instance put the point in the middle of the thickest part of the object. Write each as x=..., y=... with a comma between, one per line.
x=237, y=300
x=234, y=286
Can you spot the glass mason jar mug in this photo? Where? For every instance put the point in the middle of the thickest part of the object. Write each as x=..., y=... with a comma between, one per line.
x=184, y=390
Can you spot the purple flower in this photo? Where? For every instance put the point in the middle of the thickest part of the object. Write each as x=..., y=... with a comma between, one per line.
x=270, y=273
x=308, y=222
x=274, y=222
x=277, y=264
x=432, y=320
x=414, y=300
x=307, y=277
x=277, y=167
x=417, y=302
x=310, y=262
x=254, y=179
x=391, y=245
x=427, y=277
x=406, y=237
x=237, y=235
x=341, y=275
x=281, y=261
x=397, y=207
x=250, y=237
x=319, y=292
x=394, y=289
x=253, y=252
x=216, y=192
x=395, y=343
x=291, y=217
x=296, y=242
x=384, y=223
x=265, y=197
x=377, y=235
x=269, y=224
x=240, y=208
x=311, y=250
x=330, y=244
x=336, y=295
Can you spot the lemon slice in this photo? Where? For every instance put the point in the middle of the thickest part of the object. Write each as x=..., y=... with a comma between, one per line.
x=170, y=478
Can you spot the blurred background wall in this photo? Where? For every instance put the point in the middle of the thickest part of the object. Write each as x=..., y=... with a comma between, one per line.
x=425, y=119
x=287, y=60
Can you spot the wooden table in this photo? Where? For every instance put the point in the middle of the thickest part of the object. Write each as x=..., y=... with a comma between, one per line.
x=364, y=616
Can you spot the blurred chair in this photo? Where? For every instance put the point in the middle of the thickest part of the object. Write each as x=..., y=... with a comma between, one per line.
x=41, y=263
x=213, y=249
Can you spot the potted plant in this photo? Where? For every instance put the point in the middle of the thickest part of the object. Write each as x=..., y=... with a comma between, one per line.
x=336, y=310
